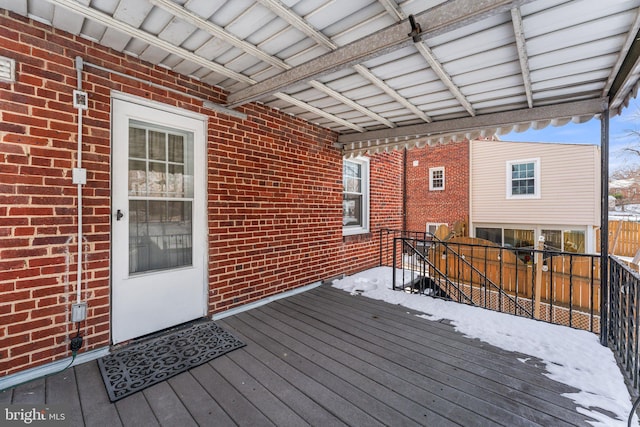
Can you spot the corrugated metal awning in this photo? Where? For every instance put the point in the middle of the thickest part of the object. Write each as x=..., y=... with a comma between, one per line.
x=360, y=68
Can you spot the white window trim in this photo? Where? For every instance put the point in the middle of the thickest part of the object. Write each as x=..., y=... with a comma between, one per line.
x=350, y=230
x=536, y=179
x=431, y=186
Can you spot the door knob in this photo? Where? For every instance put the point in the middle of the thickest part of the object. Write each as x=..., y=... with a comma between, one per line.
x=119, y=215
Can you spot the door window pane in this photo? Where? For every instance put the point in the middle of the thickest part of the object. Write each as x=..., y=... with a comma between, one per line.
x=574, y=241
x=520, y=240
x=160, y=235
x=157, y=145
x=160, y=198
x=552, y=239
x=492, y=234
x=176, y=148
x=137, y=143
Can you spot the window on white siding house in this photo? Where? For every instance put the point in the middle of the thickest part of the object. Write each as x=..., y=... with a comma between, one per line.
x=355, y=196
x=565, y=240
x=436, y=178
x=523, y=179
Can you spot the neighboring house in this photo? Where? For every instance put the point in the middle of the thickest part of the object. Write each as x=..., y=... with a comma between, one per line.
x=520, y=191
x=187, y=211
x=507, y=192
x=437, y=183
x=626, y=191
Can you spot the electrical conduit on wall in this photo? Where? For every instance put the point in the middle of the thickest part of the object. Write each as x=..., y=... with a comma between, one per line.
x=80, y=101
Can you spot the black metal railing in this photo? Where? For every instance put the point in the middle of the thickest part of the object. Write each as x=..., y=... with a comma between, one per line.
x=387, y=237
x=556, y=287
x=422, y=276
x=624, y=319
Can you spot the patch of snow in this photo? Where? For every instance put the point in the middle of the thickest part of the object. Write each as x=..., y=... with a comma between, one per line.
x=570, y=356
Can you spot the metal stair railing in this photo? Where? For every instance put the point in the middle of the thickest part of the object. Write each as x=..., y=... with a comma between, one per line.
x=410, y=245
x=486, y=280
x=441, y=276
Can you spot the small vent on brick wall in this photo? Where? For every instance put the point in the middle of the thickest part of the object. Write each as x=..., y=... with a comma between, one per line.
x=7, y=70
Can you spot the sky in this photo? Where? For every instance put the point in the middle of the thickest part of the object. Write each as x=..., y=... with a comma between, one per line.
x=620, y=128
x=570, y=356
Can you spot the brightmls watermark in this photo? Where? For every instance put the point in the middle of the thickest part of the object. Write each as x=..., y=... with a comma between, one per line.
x=33, y=415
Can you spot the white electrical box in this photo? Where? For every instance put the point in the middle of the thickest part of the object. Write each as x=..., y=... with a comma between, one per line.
x=78, y=311
x=80, y=100
x=79, y=176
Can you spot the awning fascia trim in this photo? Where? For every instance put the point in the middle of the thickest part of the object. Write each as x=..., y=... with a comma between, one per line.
x=483, y=126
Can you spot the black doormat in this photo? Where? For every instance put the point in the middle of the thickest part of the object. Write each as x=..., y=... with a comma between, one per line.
x=150, y=361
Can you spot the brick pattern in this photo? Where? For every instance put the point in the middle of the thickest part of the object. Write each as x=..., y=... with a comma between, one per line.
x=274, y=194
x=444, y=206
x=361, y=252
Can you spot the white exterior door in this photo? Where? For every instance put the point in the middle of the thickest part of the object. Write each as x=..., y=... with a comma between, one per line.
x=158, y=218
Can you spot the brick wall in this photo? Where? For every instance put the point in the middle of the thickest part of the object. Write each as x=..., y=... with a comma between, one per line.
x=274, y=194
x=445, y=206
x=362, y=251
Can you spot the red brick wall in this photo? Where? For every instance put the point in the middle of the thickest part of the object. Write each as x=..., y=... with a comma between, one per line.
x=362, y=251
x=446, y=206
x=274, y=208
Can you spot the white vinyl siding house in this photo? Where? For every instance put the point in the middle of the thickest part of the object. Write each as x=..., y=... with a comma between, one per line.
x=548, y=189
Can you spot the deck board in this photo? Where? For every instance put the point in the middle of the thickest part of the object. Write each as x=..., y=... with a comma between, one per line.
x=167, y=406
x=6, y=397
x=134, y=411
x=198, y=401
x=414, y=367
x=32, y=392
x=62, y=389
x=348, y=401
x=513, y=372
x=327, y=358
x=281, y=364
x=445, y=341
x=309, y=410
x=261, y=397
x=366, y=376
x=239, y=407
x=97, y=410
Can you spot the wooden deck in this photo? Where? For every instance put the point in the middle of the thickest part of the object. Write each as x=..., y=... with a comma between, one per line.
x=326, y=358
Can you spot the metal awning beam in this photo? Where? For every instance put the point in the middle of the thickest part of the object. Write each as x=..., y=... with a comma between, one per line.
x=494, y=120
x=219, y=32
x=521, y=45
x=108, y=21
x=438, y=20
x=297, y=22
x=624, y=79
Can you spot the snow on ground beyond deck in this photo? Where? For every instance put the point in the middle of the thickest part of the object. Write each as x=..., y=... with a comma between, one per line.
x=571, y=356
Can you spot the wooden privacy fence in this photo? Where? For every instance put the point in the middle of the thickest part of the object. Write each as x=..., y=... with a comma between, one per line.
x=624, y=238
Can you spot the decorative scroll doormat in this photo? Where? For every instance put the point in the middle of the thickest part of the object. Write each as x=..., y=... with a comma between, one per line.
x=145, y=363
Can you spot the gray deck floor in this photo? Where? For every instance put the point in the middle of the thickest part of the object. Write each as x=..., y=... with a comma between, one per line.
x=327, y=358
